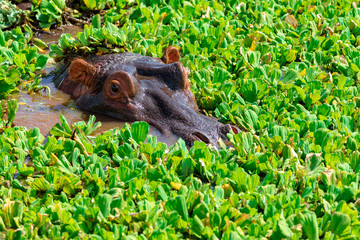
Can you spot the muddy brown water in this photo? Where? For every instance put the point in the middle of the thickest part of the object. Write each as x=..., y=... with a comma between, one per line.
x=54, y=35
x=42, y=111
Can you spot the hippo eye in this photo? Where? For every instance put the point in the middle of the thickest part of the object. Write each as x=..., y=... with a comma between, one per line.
x=115, y=88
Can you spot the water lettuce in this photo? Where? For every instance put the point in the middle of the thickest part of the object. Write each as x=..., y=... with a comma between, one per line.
x=285, y=72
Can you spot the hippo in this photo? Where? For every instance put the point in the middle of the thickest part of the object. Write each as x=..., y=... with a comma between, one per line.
x=132, y=87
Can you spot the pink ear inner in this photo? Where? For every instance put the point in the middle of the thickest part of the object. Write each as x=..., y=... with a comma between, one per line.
x=171, y=55
x=82, y=71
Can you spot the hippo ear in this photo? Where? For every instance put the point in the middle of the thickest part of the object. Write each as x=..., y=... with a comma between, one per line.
x=171, y=55
x=81, y=71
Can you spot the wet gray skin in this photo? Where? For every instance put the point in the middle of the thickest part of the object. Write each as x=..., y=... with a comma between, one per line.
x=132, y=87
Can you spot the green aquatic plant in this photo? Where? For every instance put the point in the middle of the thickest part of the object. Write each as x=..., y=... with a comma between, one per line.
x=49, y=12
x=52, y=14
x=20, y=62
x=7, y=113
x=286, y=73
x=125, y=183
x=98, y=5
x=10, y=15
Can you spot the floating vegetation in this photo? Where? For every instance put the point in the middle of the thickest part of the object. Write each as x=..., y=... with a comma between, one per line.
x=285, y=72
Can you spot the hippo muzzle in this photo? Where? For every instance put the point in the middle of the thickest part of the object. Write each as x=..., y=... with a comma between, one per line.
x=132, y=87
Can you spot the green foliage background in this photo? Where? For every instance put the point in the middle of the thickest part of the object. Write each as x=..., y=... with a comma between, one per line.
x=285, y=72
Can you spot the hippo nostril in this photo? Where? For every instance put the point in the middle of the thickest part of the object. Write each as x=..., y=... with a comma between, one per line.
x=235, y=129
x=201, y=137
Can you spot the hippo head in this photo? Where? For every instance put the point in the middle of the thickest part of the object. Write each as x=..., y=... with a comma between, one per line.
x=132, y=87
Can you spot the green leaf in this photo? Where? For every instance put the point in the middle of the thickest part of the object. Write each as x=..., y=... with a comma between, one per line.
x=12, y=109
x=96, y=21
x=254, y=58
x=139, y=131
x=2, y=225
x=162, y=194
x=285, y=229
x=249, y=91
x=339, y=222
x=215, y=219
x=313, y=164
x=12, y=212
x=2, y=39
x=310, y=225
x=60, y=3
x=221, y=75
x=40, y=184
x=324, y=109
x=41, y=61
x=313, y=44
x=197, y=227
x=26, y=171
x=347, y=123
x=65, y=124
x=40, y=44
x=179, y=205
x=290, y=77
x=104, y=201
x=91, y=4
x=219, y=193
